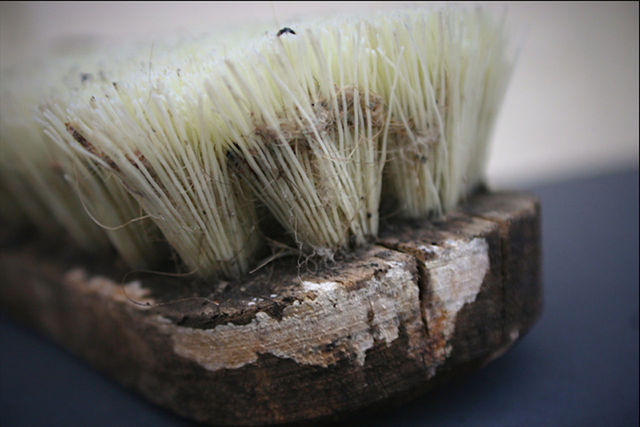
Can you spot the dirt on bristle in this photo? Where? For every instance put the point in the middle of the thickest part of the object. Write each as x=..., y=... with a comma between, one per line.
x=346, y=98
x=90, y=147
x=324, y=118
x=140, y=159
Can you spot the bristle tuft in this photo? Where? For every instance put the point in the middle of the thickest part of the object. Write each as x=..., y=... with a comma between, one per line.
x=319, y=122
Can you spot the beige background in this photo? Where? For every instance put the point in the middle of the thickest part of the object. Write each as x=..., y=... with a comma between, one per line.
x=571, y=109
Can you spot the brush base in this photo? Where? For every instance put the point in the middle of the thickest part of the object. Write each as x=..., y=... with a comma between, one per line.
x=429, y=301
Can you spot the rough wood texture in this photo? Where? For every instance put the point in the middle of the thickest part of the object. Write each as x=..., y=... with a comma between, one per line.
x=429, y=301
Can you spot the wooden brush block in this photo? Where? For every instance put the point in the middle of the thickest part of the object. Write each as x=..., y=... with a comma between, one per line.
x=429, y=301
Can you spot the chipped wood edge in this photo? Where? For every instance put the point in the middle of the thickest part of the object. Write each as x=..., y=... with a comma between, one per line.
x=425, y=303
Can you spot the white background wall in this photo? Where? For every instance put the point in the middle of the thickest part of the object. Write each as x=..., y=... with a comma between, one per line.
x=572, y=107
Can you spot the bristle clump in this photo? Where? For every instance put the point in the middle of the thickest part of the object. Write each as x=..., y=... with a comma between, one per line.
x=32, y=170
x=306, y=135
x=453, y=69
x=160, y=142
x=178, y=145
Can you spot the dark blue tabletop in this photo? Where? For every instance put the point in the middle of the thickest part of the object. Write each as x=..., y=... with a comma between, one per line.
x=578, y=365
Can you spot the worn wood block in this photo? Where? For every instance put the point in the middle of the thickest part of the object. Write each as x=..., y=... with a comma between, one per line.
x=428, y=301
x=518, y=216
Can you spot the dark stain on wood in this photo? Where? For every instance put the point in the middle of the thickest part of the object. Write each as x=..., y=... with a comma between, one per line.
x=125, y=340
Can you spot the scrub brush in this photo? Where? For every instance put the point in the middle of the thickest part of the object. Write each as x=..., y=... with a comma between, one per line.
x=231, y=152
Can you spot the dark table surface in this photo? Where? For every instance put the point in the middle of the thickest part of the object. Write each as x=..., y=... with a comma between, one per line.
x=578, y=365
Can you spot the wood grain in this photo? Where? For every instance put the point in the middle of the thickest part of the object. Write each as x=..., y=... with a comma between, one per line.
x=428, y=301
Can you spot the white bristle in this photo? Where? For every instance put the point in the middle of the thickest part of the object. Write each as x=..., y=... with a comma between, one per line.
x=33, y=170
x=312, y=122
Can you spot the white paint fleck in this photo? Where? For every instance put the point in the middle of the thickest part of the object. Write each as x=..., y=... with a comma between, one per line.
x=338, y=322
x=321, y=286
x=456, y=270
